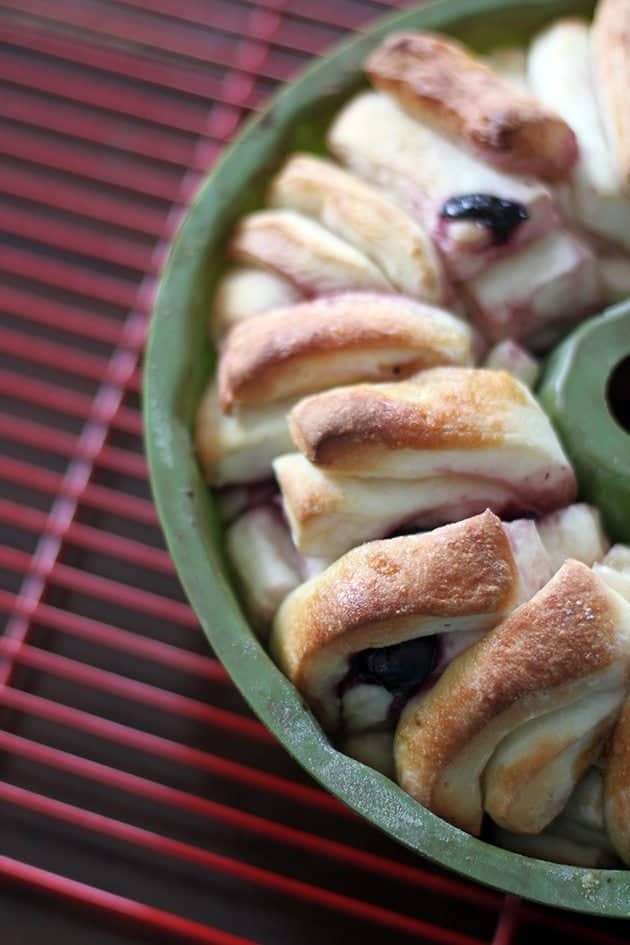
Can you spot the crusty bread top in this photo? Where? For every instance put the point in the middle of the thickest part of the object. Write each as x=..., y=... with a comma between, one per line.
x=565, y=633
x=305, y=253
x=443, y=408
x=309, y=346
x=611, y=36
x=458, y=570
x=364, y=216
x=436, y=79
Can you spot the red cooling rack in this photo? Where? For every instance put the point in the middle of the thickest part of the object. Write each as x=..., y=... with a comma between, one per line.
x=138, y=797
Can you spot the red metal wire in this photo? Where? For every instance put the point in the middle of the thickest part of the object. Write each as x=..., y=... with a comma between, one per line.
x=147, y=105
x=160, y=747
x=97, y=128
x=165, y=846
x=77, y=197
x=199, y=84
x=160, y=35
x=147, y=916
x=110, y=113
x=91, y=163
x=65, y=275
x=124, y=687
x=78, y=238
x=265, y=24
x=93, y=495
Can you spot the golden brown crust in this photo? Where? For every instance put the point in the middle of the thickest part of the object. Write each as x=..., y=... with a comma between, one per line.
x=313, y=345
x=365, y=217
x=306, y=499
x=617, y=786
x=445, y=408
x=304, y=252
x=565, y=633
x=438, y=80
x=459, y=570
x=611, y=36
x=528, y=791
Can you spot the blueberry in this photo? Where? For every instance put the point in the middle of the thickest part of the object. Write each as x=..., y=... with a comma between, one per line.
x=397, y=668
x=499, y=216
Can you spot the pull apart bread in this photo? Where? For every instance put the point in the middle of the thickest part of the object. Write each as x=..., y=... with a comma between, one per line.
x=614, y=569
x=563, y=72
x=438, y=183
x=386, y=619
x=577, y=836
x=355, y=638
x=244, y=292
x=440, y=82
x=377, y=333
x=445, y=444
x=593, y=829
x=268, y=362
x=365, y=218
x=304, y=253
x=515, y=721
x=500, y=234
x=612, y=67
x=269, y=566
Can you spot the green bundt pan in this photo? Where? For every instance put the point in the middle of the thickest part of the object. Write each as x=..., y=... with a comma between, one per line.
x=178, y=362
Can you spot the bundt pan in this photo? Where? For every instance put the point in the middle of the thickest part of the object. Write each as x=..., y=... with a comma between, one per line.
x=178, y=362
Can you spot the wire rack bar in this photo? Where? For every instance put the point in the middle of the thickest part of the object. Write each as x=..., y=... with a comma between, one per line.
x=169, y=750
x=84, y=895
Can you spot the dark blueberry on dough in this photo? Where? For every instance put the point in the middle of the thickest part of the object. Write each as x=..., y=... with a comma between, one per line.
x=500, y=217
x=397, y=668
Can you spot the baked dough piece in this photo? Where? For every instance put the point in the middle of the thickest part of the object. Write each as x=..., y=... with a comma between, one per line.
x=561, y=73
x=330, y=514
x=614, y=568
x=612, y=67
x=577, y=836
x=617, y=786
x=339, y=339
x=422, y=169
x=440, y=82
x=445, y=444
x=338, y=636
x=537, y=293
x=239, y=447
x=268, y=362
x=374, y=749
x=509, y=356
x=266, y=563
x=464, y=419
x=363, y=708
x=574, y=532
x=244, y=292
x=364, y=217
x=515, y=721
x=302, y=251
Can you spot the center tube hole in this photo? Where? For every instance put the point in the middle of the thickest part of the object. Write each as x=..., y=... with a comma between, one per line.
x=618, y=393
